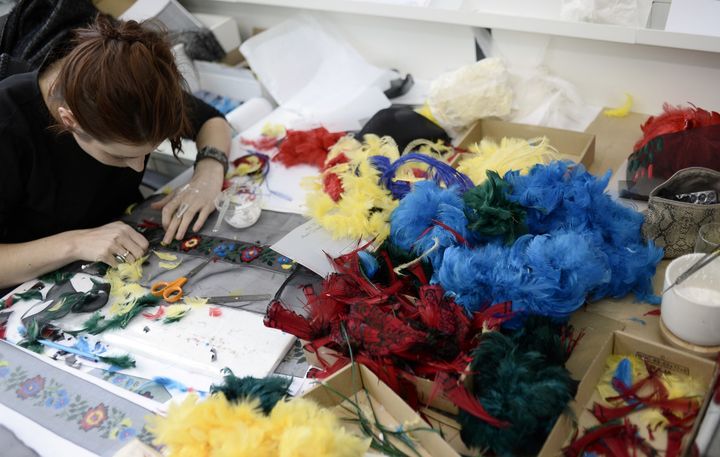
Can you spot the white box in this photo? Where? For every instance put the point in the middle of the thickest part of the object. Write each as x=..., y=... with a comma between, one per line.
x=224, y=28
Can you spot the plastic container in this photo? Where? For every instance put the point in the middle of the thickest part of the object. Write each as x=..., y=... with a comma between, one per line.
x=241, y=206
x=691, y=309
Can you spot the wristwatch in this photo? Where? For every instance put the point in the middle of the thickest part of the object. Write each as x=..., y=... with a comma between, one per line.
x=209, y=152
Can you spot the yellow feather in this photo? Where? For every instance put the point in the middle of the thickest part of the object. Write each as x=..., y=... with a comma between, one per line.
x=169, y=265
x=511, y=154
x=176, y=310
x=218, y=428
x=195, y=301
x=620, y=111
x=273, y=130
x=166, y=256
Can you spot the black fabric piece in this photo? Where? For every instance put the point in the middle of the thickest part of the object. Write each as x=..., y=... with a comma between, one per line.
x=400, y=86
x=199, y=44
x=403, y=125
x=38, y=31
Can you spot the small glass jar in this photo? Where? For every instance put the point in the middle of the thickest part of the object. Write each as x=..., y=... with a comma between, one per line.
x=242, y=206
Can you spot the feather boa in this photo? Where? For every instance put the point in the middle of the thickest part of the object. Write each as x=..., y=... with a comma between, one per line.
x=427, y=214
x=521, y=384
x=564, y=196
x=347, y=198
x=218, y=427
x=581, y=244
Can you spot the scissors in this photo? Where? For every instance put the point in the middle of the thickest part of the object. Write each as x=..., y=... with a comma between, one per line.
x=172, y=291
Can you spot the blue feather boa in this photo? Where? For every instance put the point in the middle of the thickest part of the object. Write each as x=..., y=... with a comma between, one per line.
x=412, y=225
x=582, y=245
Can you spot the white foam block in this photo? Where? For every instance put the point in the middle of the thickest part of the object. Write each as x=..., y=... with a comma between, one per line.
x=240, y=340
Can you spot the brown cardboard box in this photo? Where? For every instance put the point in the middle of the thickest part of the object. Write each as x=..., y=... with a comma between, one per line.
x=424, y=386
x=358, y=384
x=657, y=355
x=576, y=146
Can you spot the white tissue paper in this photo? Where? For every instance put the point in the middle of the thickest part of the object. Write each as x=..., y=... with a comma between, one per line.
x=459, y=98
x=544, y=99
x=618, y=12
x=315, y=74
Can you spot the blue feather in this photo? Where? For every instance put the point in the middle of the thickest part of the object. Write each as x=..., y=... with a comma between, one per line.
x=441, y=173
x=368, y=263
x=412, y=225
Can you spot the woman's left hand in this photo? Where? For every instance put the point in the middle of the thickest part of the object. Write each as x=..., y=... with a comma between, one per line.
x=195, y=200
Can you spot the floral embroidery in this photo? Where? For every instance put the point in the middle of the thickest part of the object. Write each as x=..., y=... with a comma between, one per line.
x=124, y=431
x=4, y=368
x=286, y=263
x=224, y=249
x=250, y=254
x=190, y=243
x=31, y=387
x=58, y=400
x=94, y=417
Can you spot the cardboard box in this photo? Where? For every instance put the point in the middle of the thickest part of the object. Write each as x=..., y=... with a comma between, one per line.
x=576, y=146
x=424, y=386
x=358, y=384
x=656, y=355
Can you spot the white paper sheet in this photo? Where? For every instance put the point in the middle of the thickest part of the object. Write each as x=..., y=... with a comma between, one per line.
x=317, y=75
x=309, y=244
x=699, y=17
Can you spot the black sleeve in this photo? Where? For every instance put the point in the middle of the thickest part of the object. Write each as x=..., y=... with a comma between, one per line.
x=11, y=184
x=199, y=112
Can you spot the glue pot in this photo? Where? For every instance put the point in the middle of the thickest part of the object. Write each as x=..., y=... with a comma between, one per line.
x=240, y=205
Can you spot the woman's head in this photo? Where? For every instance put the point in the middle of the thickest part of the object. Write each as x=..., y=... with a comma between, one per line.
x=120, y=93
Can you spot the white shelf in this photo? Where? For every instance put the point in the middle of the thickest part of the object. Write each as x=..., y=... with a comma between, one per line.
x=501, y=20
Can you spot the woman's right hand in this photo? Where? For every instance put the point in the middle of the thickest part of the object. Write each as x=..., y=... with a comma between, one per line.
x=105, y=242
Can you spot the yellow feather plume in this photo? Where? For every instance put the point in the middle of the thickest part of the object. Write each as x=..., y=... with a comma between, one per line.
x=510, y=154
x=216, y=427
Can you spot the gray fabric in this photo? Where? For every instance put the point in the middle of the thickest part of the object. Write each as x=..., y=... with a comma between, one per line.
x=70, y=407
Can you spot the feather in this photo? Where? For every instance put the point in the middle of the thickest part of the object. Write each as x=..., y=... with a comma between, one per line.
x=306, y=147
x=219, y=427
x=490, y=214
x=437, y=170
x=268, y=391
x=675, y=119
x=511, y=154
x=516, y=386
x=412, y=226
x=122, y=361
x=97, y=323
x=620, y=111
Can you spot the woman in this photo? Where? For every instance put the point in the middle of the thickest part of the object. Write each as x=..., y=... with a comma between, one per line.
x=74, y=139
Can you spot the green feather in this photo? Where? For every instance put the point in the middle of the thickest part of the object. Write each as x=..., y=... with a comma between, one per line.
x=268, y=390
x=177, y=317
x=57, y=277
x=490, y=214
x=32, y=294
x=519, y=386
x=98, y=323
x=122, y=361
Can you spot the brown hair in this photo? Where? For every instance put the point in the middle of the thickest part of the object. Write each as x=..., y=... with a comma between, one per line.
x=121, y=83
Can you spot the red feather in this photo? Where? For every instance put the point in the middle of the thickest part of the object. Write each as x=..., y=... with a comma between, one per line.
x=675, y=119
x=308, y=147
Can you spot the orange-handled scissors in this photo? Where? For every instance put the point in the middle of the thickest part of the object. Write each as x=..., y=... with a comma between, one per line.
x=172, y=291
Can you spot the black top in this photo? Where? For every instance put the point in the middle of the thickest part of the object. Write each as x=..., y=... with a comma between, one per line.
x=48, y=184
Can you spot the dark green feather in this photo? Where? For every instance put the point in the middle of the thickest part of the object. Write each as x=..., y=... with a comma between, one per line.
x=122, y=361
x=490, y=214
x=98, y=323
x=32, y=294
x=521, y=387
x=268, y=390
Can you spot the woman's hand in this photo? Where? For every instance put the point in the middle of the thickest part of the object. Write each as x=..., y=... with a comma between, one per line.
x=195, y=200
x=110, y=240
